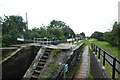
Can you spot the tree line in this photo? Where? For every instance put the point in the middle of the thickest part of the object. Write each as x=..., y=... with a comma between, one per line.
x=14, y=26
x=113, y=36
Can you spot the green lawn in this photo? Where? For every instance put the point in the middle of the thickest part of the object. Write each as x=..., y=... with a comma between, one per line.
x=106, y=46
x=83, y=41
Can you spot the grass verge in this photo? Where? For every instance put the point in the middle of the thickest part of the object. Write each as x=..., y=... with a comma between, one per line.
x=108, y=67
x=87, y=43
x=106, y=46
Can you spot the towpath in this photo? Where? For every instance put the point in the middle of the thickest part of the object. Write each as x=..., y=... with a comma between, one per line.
x=84, y=68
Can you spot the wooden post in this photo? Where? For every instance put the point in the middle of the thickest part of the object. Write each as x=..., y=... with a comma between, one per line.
x=99, y=53
x=96, y=50
x=113, y=70
x=104, y=58
x=93, y=47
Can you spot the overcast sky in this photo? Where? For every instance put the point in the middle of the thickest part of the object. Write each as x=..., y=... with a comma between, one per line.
x=81, y=15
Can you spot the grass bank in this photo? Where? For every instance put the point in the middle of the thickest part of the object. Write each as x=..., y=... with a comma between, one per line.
x=106, y=46
x=110, y=49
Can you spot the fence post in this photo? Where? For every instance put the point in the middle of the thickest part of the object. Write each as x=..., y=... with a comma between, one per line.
x=96, y=50
x=113, y=70
x=93, y=46
x=99, y=53
x=104, y=58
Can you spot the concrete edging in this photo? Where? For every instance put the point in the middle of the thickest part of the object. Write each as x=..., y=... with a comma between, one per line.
x=103, y=72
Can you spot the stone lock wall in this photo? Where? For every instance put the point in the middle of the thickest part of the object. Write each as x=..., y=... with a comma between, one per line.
x=17, y=65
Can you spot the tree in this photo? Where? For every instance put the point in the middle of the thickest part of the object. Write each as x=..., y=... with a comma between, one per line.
x=116, y=33
x=57, y=33
x=64, y=29
x=1, y=21
x=56, y=24
x=0, y=32
x=82, y=34
x=97, y=35
x=12, y=28
x=77, y=35
x=113, y=37
x=0, y=27
x=68, y=32
x=108, y=37
x=13, y=22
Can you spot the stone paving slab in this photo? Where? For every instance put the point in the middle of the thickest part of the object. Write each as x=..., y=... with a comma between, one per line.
x=84, y=68
x=62, y=46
